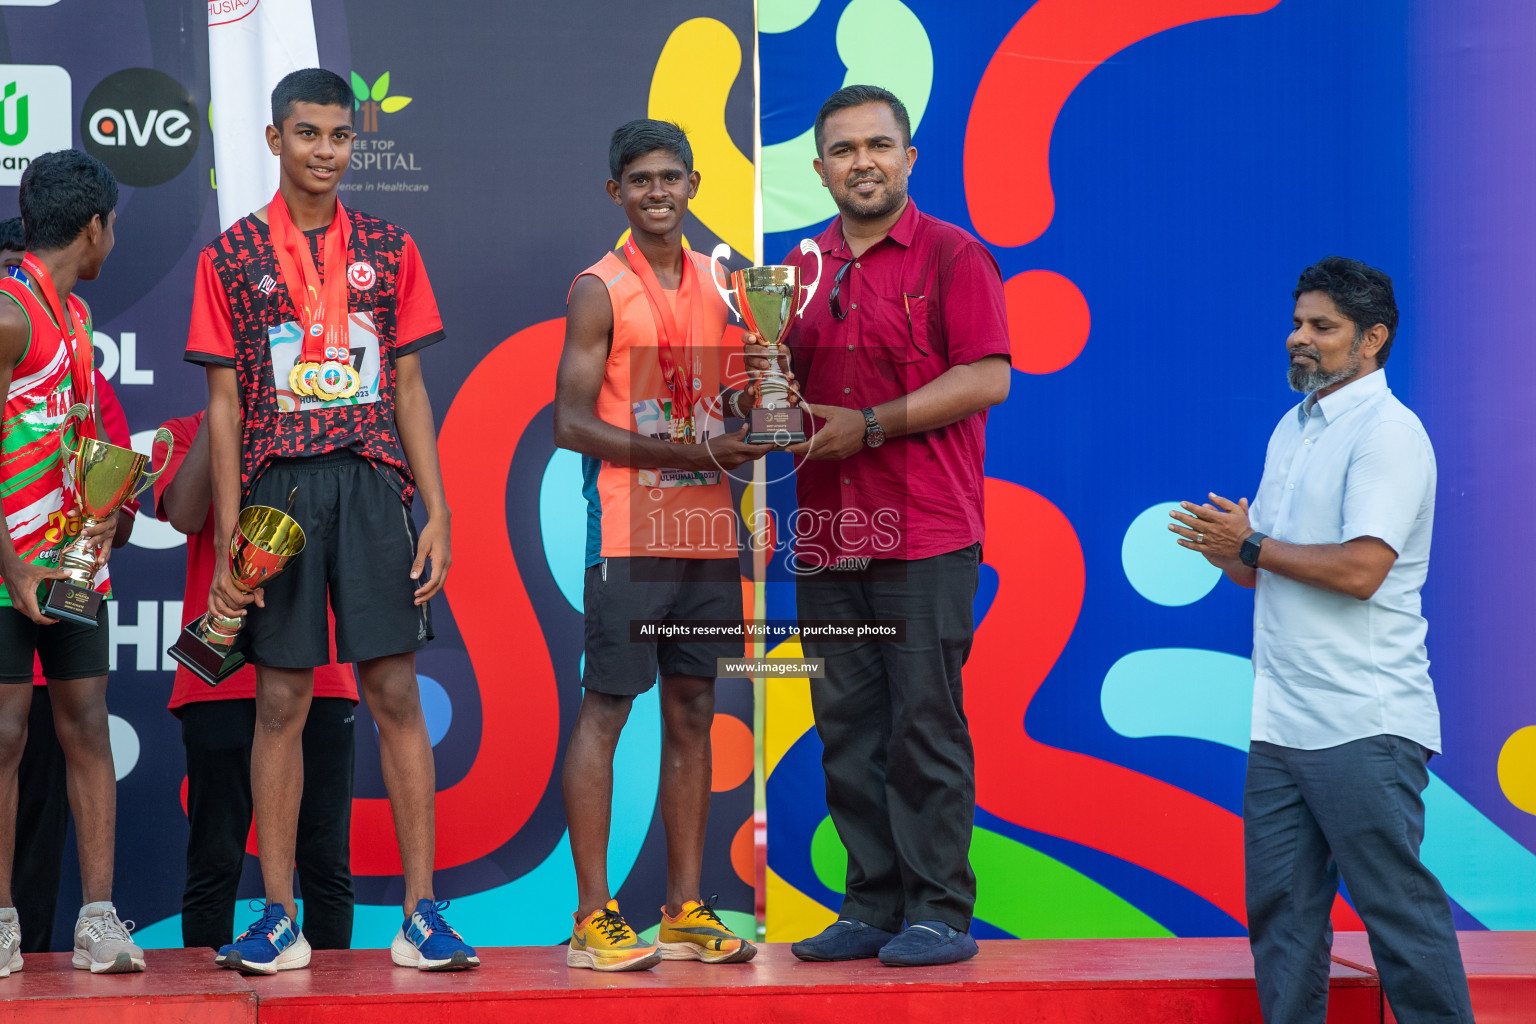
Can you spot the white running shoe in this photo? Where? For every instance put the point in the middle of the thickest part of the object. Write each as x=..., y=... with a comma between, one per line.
x=102, y=944
x=10, y=942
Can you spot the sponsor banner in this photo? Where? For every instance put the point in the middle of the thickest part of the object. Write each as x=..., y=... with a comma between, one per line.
x=384, y=160
x=34, y=116
x=141, y=123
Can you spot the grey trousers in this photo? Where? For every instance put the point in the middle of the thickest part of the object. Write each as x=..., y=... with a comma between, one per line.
x=1355, y=808
x=900, y=768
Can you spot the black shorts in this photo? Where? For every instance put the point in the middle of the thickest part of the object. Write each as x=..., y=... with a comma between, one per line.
x=68, y=650
x=619, y=590
x=359, y=543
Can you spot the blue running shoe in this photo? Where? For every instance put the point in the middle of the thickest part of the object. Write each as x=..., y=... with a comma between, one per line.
x=427, y=943
x=270, y=945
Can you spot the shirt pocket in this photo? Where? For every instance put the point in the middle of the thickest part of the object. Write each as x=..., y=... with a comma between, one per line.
x=918, y=361
x=915, y=307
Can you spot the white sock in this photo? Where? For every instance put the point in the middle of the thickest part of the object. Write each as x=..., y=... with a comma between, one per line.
x=100, y=905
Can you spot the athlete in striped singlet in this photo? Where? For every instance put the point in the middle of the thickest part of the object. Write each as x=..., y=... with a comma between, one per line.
x=68, y=202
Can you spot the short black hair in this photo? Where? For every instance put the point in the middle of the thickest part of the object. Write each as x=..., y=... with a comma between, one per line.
x=1360, y=292
x=310, y=85
x=12, y=235
x=60, y=193
x=634, y=139
x=857, y=96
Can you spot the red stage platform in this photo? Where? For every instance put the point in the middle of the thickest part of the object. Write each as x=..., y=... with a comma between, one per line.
x=1106, y=981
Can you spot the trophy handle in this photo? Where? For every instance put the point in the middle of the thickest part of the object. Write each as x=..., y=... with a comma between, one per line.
x=78, y=411
x=810, y=247
x=722, y=252
x=162, y=436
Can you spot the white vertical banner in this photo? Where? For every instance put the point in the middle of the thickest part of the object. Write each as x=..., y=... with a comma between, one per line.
x=252, y=44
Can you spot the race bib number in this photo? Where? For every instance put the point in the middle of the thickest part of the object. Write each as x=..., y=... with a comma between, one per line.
x=653, y=418
x=287, y=341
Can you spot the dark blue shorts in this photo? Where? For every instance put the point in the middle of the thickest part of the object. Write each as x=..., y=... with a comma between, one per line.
x=618, y=591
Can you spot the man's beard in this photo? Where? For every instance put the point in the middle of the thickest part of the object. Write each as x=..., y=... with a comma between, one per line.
x=878, y=205
x=1308, y=381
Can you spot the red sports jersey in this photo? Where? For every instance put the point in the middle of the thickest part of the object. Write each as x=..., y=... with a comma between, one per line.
x=37, y=488
x=331, y=680
x=243, y=317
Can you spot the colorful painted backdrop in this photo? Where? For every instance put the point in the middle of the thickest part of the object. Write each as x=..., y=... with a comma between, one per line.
x=1151, y=177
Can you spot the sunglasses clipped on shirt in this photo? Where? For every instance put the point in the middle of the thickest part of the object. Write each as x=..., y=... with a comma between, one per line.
x=837, y=287
x=842, y=314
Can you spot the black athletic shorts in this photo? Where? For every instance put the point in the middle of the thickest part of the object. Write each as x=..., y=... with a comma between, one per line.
x=359, y=543
x=620, y=590
x=68, y=650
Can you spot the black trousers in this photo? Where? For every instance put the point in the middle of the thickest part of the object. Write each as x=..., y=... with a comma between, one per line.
x=218, y=735
x=42, y=822
x=900, y=768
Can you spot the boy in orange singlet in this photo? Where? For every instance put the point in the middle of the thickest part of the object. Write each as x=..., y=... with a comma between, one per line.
x=638, y=394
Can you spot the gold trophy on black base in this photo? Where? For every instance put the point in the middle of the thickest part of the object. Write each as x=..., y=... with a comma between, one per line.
x=265, y=541
x=767, y=300
x=106, y=478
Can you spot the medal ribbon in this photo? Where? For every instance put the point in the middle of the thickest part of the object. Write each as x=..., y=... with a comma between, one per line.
x=318, y=299
x=82, y=357
x=668, y=337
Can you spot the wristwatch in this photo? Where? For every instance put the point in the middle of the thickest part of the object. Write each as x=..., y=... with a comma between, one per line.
x=874, y=433
x=1249, y=552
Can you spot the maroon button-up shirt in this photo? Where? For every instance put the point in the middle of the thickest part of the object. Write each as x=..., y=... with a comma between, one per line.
x=926, y=297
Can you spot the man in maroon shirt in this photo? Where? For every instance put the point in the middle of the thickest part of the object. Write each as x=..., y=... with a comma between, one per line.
x=898, y=366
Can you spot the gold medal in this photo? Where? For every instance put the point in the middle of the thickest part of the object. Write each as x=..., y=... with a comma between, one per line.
x=354, y=381
x=682, y=430
x=308, y=377
x=300, y=380
x=331, y=380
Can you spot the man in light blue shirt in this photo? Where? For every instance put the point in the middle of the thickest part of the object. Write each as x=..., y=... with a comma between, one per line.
x=1336, y=545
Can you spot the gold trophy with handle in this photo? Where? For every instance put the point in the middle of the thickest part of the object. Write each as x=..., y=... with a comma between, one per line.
x=266, y=539
x=106, y=478
x=767, y=300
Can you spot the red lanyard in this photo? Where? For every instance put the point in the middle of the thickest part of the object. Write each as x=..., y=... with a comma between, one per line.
x=319, y=299
x=682, y=378
x=81, y=356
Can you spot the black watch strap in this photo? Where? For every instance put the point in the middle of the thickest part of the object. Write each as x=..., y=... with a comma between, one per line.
x=1249, y=552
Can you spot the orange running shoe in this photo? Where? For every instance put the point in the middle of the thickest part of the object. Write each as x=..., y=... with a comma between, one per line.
x=697, y=933
x=604, y=941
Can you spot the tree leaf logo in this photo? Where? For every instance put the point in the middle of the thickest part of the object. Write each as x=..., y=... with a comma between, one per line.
x=369, y=101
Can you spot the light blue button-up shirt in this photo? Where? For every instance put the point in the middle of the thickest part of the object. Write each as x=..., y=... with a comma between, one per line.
x=1329, y=668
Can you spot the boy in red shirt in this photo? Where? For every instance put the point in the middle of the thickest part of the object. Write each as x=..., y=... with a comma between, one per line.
x=310, y=320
